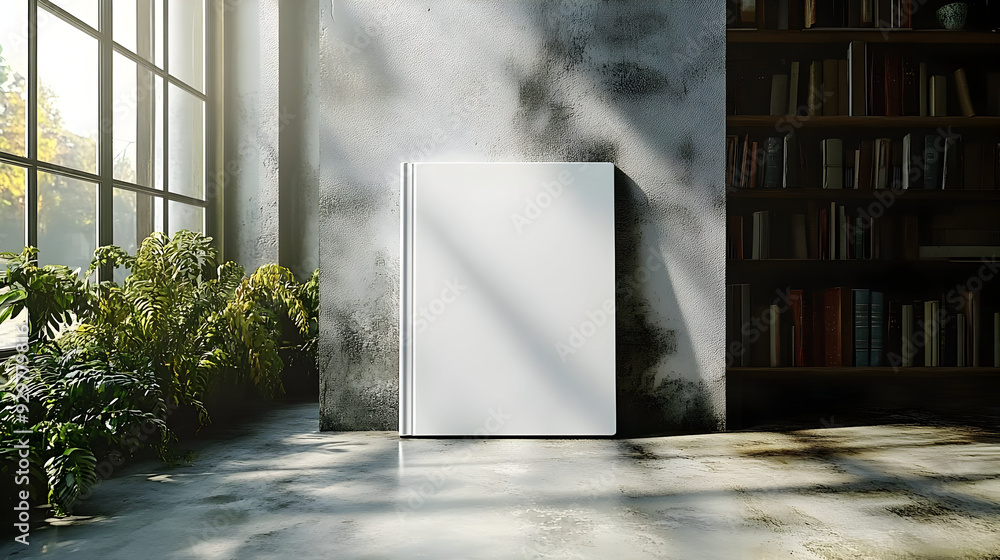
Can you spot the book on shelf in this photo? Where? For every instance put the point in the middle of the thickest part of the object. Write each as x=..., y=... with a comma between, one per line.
x=779, y=95
x=928, y=252
x=815, y=94
x=774, y=335
x=738, y=325
x=949, y=165
x=964, y=97
x=793, y=88
x=800, y=329
x=962, y=341
x=993, y=94
x=734, y=238
x=937, y=102
x=833, y=163
x=856, y=58
x=791, y=163
x=932, y=161
x=996, y=340
x=893, y=350
x=773, y=164
x=862, y=326
x=761, y=235
x=907, y=346
x=922, y=89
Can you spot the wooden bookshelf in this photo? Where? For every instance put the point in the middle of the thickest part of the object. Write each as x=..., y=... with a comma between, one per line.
x=889, y=36
x=899, y=196
x=956, y=202
x=751, y=372
x=792, y=122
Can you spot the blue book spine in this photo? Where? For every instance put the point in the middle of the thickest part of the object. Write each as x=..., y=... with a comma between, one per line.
x=862, y=328
x=878, y=329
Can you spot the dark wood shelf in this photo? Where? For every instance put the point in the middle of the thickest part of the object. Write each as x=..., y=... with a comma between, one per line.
x=862, y=371
x=853, y=194
x=889, y=36
x=788, y=123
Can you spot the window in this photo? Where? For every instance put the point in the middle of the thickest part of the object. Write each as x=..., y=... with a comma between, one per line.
x=104, y=124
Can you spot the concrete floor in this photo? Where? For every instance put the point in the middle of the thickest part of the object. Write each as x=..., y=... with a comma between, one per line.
x=277, y=488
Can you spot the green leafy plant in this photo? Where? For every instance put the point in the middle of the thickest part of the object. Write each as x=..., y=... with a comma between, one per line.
x=177, y=329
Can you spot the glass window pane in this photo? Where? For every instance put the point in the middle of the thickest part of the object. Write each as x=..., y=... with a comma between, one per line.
x=123, y=19
x=186, y=41
x=67, y=95
x=186, y=160
x=139, y=28
x=126, y=229
x=136, y=134
x=9, y=335
x=13, y=76
x=12, y=182
x=185, y=216
x=67, y=221
x=86, y=10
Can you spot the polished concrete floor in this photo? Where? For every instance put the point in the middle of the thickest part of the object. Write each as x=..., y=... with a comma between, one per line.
x=277, y=488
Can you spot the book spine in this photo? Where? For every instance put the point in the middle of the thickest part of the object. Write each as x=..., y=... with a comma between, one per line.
x=893, y=350
x=832, y=327
x=798, y=339
x=774, y=330
x=961, y=342
x=922, y=87
x=862, y=318
x=996, y=340
x=928, y=334
x=779, y=95
x=745, y=330
x=932, y=162
x=831, y=89
x=877, y=329
x=907, y=349
x=773, y=166
x=964, y=99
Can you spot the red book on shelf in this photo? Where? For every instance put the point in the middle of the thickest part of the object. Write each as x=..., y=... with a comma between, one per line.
x=832, y=328
x=753, y=165
x=893, y=87
x=795, y=298
x=817, y=332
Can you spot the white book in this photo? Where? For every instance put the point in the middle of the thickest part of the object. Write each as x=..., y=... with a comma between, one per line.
x=465, y=257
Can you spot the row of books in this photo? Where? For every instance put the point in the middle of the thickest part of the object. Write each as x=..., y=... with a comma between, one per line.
x=868, y=82
x=805, y=14
x=832, y=233
x=915, y=161
x=839, y=232
x=837, y=327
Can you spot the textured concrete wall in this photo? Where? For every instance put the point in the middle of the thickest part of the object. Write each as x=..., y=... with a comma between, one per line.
x=271, y=144
x=640, y=84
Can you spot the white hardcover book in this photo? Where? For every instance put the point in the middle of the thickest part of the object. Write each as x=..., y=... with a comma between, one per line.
x=507, y=303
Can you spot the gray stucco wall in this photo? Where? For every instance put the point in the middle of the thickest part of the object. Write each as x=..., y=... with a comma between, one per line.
x=640, y=84
x=272, y=134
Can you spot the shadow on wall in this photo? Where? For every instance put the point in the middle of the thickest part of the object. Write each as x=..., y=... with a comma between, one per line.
x=645, y=406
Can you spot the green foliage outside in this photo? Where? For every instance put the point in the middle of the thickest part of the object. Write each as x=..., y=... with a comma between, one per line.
x=178, y=330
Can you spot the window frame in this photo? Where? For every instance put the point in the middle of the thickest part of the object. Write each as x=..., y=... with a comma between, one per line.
x=104, y=178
